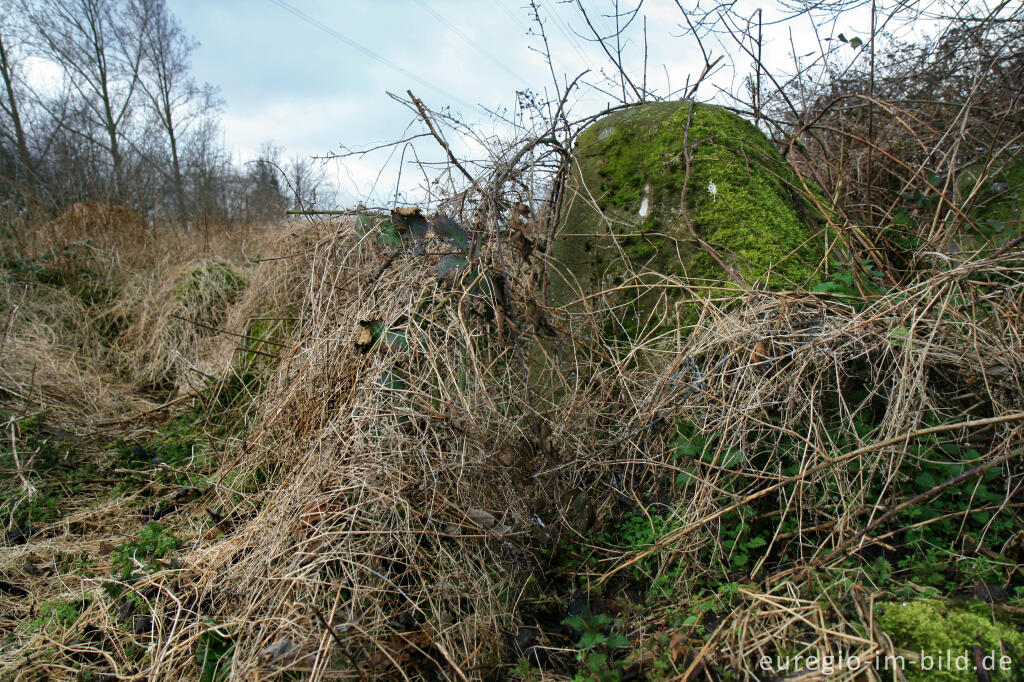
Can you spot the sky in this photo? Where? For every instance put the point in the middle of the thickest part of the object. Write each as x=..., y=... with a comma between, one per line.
x=312, y=76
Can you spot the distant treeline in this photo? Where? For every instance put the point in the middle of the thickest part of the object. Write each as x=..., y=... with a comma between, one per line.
x=98, y=102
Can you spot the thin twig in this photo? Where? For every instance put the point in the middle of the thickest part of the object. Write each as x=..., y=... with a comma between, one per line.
x=679, y=533
x=437, y=136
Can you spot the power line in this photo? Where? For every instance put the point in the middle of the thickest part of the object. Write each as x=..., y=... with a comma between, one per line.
x=288, y=7
x=554, y=18
x=469, y=41
x=511, y=15
x=566, y=30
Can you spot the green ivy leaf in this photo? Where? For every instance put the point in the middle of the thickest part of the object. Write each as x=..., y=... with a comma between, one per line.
x=391, y=337
x=414, y=223
x=479, y=284
x=451, y=263
x=829, y=288
x=686, y=448
x=982, y=493
x=391, y=380
x=364, y=225
x=732, y=458
x=449, y=229
x=685, y=476
x=995, y=225
x=388, y=234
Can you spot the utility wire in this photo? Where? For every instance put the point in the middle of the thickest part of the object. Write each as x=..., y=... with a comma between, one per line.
x=288, y=7
x=566, y=30
x=469, y=41
x=553, y=17
x=511, y=15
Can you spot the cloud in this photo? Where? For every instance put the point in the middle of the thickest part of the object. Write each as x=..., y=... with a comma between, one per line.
x=310, y=92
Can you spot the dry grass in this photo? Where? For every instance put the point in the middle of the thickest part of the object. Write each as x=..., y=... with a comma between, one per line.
x=415, y=495
x=70, y=294
x=419, y=468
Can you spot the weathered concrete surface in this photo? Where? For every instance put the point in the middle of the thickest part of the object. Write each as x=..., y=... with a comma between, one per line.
x=621, y=211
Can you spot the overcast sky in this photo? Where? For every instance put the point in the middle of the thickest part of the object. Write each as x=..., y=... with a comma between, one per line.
x=317, y=82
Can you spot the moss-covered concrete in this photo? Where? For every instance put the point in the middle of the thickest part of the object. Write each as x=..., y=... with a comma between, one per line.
x=622, y=214
x=949, y=634
x=208, y=277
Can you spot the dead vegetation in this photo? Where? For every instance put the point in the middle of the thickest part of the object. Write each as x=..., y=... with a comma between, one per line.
x=399, y=462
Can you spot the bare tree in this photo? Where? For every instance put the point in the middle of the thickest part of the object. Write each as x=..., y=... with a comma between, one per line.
x=264, y=199
x=305, y=182
x=125, y=106
x=100, y=46
x=11, y=108
x=172, y=94
x=208, y=172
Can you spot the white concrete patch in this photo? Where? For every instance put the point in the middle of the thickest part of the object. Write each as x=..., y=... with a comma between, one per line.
x=645, y=204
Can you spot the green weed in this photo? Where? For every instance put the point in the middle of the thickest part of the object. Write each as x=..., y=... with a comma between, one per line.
x=595, y=647
x=133, y=559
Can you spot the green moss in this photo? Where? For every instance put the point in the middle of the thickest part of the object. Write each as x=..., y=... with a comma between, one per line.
x=232, y=393
x=56, y=468
x=939, y=630
x=210, y=278
x=998, y=209
x=152, y=544
x=741, y=199
x=53, y=614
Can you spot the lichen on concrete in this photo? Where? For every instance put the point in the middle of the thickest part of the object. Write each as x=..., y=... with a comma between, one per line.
x=622, y=214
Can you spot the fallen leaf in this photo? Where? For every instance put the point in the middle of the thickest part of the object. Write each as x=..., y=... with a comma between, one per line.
x=678, y=647
x=213, y=533
x=363, y=337
x=501, y=531
x=278, y=649
x=760, y=351
x=989, y=592
x=482, y=518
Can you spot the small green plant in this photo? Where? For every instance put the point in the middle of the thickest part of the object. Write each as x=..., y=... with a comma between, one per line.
x=598, y=639
x=78, y=562
x=524, y=670
x=145, y=554
x=213, y=653
x=54, y=614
